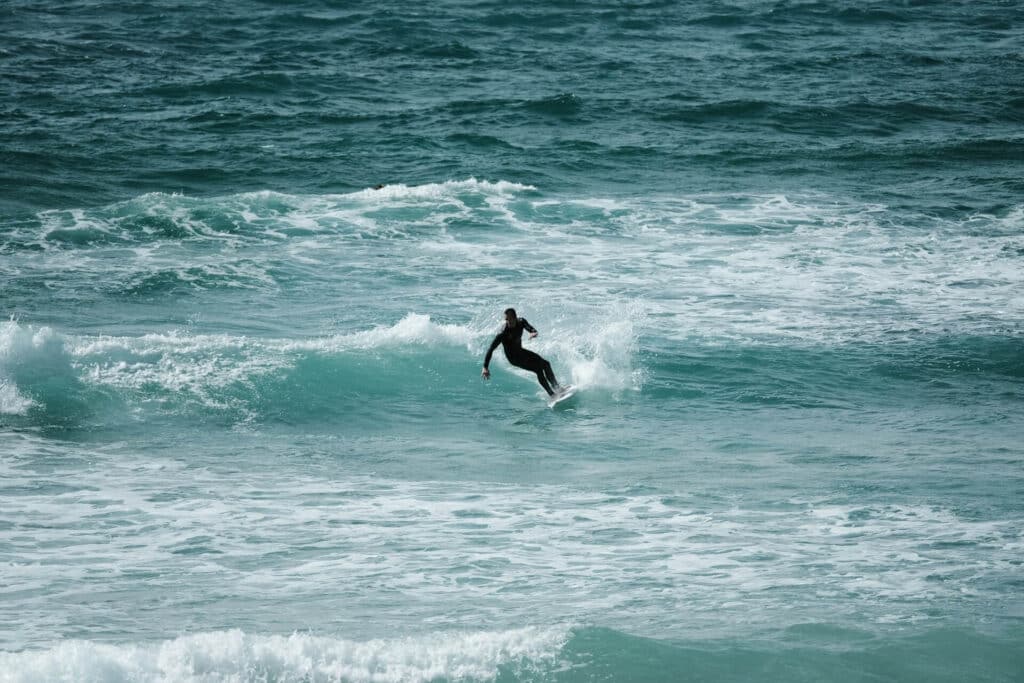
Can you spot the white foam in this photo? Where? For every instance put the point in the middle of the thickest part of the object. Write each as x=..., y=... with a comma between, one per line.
x=813, y=269
x=413, y=329
x=180, y=361
x=237, y=657
x=443, y=190
x=175, y=362
x=603, y=356
x=793, y=281
x=478, y=545
x=11, y=401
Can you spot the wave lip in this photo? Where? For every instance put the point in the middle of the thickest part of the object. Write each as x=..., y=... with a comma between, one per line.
x=52, y=378
x=12, y=339
x=414, y=328
x=35, y=372
x=443, y=190
x=237, y=656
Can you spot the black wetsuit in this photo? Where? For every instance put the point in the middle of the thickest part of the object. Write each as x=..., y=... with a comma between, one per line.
x=511, y=340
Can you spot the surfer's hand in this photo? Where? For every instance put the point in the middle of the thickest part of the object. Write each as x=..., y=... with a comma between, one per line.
x=532, y=335
x=486, y=373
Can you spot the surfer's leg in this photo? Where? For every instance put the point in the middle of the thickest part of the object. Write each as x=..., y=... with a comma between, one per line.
x=549, y=374
x=528, y=360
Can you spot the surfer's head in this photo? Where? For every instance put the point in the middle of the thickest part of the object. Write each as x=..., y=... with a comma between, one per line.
x=510, y=316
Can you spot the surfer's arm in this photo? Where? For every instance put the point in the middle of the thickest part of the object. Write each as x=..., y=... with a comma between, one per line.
x=490, y=352
x=528, y=327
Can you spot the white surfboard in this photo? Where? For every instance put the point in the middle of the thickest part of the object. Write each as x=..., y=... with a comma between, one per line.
x=561, y=395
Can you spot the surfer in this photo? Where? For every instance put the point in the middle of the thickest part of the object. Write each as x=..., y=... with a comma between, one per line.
x=511, y=340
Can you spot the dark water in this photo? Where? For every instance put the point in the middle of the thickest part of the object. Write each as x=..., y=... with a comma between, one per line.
x=918, y=102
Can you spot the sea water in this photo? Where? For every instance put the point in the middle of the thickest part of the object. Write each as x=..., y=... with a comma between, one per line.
x=778, y=246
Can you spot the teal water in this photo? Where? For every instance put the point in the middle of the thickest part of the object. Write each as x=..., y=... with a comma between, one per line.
x=778, y=246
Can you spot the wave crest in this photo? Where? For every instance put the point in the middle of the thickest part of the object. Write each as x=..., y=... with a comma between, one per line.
x=237, y=656
x=35, y=369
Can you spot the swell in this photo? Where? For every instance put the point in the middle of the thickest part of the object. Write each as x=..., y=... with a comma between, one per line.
x=963, y=368
x=850, y=119
x=808, y=652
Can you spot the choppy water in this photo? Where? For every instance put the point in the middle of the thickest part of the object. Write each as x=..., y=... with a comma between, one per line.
x=779, y=246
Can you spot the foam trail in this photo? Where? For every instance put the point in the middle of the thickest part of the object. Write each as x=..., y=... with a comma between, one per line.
x=234, y=656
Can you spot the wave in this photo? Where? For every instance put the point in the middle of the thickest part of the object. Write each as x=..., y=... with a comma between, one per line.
x=806, y=652
x=513, y=111
x=716, y=111
x=53, y=379
x=47, y=378
x=818, y=268
x=240, y=657
x=164, y=244
x=447, y=190
x=38, y=380
x=984, y=149
x=841, y=376
x=846, y=120
x=11, y=401
x=236, y=219
x=453, y=50
x=563, y=105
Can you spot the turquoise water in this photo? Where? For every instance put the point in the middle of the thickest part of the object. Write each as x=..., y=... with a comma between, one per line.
x=778, y=246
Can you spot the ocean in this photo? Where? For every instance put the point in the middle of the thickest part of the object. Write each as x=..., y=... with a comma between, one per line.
x=252, y=255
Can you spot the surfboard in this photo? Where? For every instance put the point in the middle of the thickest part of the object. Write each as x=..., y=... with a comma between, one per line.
x=565, y=393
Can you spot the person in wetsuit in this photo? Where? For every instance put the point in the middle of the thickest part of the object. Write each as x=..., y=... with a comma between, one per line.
x=511, y=340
